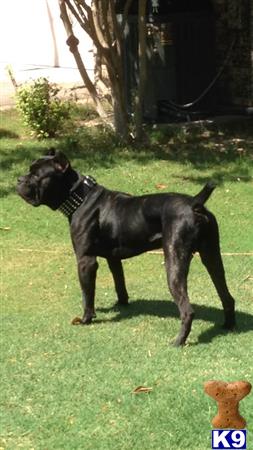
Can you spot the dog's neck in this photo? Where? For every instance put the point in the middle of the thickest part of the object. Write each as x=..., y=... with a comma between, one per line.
x=77, y=195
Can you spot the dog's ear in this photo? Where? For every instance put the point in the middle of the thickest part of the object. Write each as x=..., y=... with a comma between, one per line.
x=51, y=152
x=61, y=162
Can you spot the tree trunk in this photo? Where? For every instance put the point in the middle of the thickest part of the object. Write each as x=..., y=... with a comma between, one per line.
x=99, y=21
x=142, y=69
x=120, y=118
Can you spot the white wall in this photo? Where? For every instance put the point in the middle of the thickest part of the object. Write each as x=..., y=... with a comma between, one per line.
x=31, y=32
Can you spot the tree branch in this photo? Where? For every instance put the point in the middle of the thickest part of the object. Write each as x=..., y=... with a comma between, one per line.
x=125, y=14
x=115, y=24
x=142, y=66
x=106, y=25
x=73, y=42
x=98, y=30
x=80, y=16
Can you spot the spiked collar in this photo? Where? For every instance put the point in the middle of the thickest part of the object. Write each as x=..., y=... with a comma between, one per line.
x=77, y=196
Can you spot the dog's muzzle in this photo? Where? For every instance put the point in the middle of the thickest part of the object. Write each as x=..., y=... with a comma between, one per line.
x=27, y=190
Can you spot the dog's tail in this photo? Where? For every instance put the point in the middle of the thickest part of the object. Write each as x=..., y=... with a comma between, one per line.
x=203, y=195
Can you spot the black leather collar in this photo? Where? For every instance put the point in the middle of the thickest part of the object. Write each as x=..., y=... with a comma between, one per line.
x=77, y=196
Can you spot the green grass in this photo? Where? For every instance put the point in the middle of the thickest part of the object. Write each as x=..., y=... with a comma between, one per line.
x=65, y=387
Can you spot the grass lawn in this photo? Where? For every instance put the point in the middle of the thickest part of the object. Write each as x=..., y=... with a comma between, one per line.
x=66, y=387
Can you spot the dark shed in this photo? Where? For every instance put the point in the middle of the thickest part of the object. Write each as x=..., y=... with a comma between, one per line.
x=199, y=56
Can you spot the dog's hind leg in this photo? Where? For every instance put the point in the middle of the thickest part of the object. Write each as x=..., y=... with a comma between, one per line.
x=177, y=261
x=210, y=254
x=116, y=268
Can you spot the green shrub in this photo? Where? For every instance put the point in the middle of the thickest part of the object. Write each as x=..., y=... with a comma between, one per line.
x=42, y=109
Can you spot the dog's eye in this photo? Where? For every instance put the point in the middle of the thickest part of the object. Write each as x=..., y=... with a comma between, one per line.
x=34, y=176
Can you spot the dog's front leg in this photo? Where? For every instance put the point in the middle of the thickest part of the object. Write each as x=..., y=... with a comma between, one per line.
x=87, y=270
x=115, y=266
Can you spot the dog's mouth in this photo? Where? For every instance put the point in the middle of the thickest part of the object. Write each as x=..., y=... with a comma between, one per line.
x=28, y=191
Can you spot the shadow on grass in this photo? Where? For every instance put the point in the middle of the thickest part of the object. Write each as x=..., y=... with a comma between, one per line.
x=204, y=149
x=166, y=309
x=226, y=154
x=220, y=176
x=8, y=134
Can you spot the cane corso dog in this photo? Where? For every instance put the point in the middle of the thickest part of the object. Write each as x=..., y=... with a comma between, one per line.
x=115, y=225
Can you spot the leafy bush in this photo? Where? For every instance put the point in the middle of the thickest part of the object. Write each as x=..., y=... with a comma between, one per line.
x=42, y=109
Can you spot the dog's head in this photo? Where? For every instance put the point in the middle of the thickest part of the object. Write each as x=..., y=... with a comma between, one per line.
x=47, y=182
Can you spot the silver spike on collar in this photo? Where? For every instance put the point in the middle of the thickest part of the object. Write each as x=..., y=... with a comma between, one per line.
x=69, y=206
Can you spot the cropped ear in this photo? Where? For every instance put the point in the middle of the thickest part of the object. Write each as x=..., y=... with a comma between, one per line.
x=61, y=162
x=51, y=152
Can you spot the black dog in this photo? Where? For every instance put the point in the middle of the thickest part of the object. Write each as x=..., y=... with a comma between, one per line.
x=115, y=225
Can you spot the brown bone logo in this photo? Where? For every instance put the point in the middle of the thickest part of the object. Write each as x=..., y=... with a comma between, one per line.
x=228, y=396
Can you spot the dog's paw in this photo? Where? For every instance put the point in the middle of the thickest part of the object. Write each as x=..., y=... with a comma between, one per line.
x=123, y=300
x=229, y=326
x=121, y=304
x=86, y=320
x=177, y=343
x=229, y=321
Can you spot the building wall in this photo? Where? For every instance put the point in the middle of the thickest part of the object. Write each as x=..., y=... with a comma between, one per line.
x=234, y=27
x=251, y=50
x=32, y=33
